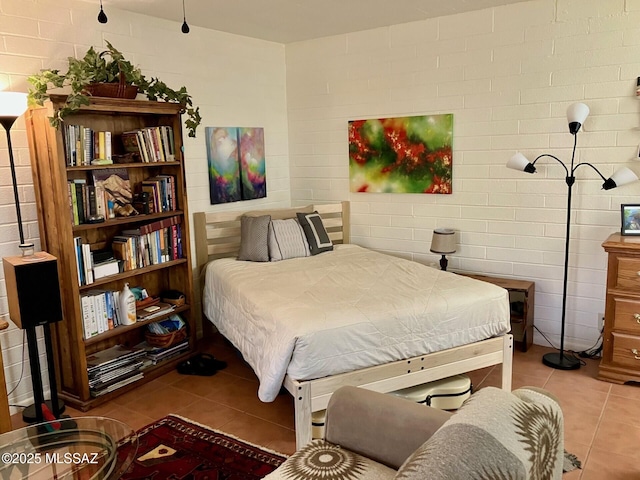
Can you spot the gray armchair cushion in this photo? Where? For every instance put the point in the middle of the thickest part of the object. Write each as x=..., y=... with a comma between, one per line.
x=382, y=427
x=495, y=435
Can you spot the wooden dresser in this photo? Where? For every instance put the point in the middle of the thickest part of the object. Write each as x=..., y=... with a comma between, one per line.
x=621, y=342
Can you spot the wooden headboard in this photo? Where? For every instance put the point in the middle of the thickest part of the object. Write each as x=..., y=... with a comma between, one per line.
x=217, y=235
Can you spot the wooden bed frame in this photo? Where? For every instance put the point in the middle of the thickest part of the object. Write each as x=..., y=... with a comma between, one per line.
x=217, y=235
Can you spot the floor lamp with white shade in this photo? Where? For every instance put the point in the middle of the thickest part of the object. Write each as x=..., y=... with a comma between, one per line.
x=576, y=115
x=31, y=280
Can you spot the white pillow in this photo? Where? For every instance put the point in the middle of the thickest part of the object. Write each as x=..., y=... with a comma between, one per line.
x=287, y=240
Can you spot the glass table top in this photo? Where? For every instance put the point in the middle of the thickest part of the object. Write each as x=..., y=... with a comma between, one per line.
x=85, y=448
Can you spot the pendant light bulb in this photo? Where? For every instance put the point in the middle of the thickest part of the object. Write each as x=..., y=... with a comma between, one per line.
x=102, y=17
x=185, y=27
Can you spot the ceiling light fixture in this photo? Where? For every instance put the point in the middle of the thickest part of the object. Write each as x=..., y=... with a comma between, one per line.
x=102, y=17
x=185, y=27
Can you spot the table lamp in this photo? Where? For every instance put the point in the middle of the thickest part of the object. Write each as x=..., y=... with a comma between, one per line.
x=443, y=242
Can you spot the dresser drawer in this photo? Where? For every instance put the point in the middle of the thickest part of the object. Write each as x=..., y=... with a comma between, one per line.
x=626, y=350
x=628, y=273
x=627, y=315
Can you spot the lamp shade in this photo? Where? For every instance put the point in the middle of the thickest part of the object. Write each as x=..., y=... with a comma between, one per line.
x=521, y=163
x=12, y=104
x=620, y=177
x=576, y=115
x=443, y=241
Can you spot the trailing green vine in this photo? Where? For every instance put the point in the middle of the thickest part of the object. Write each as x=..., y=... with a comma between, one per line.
x=105, y=67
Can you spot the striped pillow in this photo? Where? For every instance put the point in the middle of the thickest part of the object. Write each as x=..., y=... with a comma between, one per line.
x=287, y=240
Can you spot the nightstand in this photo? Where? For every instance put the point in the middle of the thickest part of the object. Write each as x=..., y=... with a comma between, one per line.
x=521, y=298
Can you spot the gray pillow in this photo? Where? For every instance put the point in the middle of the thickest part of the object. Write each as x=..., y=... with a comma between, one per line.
x=287, y=240
x=254, y=234
x=315, y=232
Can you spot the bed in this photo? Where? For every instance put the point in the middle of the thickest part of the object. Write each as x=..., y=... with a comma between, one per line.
x=350, y=316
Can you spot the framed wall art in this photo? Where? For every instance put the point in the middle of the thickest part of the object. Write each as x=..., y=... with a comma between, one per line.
x=236, y=163
x=401, y=154
x=630, y=215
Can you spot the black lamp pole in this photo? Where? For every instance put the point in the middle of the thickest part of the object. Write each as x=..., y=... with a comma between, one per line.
x=7, y=123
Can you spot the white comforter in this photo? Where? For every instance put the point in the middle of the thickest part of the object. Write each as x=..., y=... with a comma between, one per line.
x=345, y=310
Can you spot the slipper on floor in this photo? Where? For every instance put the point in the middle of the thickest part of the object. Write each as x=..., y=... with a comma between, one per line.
x=203, y=364
x=211, y=362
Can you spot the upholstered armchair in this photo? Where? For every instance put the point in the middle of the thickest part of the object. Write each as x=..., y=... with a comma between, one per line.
x=495, y=435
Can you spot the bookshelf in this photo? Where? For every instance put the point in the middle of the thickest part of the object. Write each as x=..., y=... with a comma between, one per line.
x=52, y=173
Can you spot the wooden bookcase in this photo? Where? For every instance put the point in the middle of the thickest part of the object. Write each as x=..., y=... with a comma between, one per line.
x=50, y=176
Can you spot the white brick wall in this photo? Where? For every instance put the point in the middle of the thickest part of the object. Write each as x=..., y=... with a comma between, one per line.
x=235, y=81
x=507, y=74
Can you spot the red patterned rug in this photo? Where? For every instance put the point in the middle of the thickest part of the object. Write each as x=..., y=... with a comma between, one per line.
x=176, y=448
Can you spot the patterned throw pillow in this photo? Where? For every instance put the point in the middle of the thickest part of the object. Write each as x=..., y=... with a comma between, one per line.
x=321, y=460
x=315, y=232
x=254, y=234
x=287, y=240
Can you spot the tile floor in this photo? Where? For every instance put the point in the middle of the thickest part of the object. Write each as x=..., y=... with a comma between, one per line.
x=602, y=420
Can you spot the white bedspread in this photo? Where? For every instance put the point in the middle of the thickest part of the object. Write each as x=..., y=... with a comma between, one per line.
x=345, y=310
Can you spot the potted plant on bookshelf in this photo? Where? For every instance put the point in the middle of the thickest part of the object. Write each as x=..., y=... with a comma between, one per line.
x=106, y=74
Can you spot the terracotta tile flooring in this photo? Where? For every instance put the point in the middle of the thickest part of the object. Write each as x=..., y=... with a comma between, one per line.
x=602, y=420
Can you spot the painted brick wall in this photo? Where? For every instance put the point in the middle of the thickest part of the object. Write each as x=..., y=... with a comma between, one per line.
x=236, y=81
x=507, y=74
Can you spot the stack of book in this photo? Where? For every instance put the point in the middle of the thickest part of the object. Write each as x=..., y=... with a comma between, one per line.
x=84, y=145
x=153, y=144
x=114, y=368
x=150, y=244
x=161, y=192
x=156, y=354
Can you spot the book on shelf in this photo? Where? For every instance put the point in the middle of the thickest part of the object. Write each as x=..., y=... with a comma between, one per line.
x=100, y=311
x=138, y=250
x=106, y=268
x=160, y=355
x=83, y=145
x=162, y=192
x=151, y=144
x=104, y=359
x=156, y=355
x=101, y=379
x=84, y=263
x=153, y=226
x=97, y=392
x=116, y=186
x=154, y=311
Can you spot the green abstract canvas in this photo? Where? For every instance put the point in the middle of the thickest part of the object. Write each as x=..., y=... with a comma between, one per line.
x=401, y=155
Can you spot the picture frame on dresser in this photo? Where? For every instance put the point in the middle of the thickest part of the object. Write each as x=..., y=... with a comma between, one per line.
x=630, y=219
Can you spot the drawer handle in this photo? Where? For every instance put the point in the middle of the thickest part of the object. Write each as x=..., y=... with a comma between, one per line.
x=637, y=317
x=635, y=353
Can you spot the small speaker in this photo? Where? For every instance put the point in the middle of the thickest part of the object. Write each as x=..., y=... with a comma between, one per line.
x=33, y=290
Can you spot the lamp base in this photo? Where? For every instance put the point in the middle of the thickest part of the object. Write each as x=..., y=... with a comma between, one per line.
x=560, y=361
x=29, y=414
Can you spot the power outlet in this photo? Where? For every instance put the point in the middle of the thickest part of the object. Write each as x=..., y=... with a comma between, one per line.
x=600, y=321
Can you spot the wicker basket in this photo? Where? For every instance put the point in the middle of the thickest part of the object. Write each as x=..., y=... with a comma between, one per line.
x=166, y=339
x=113, y=90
